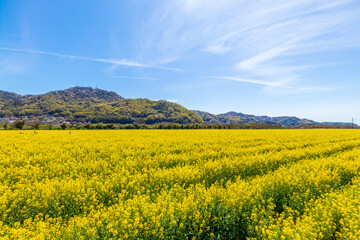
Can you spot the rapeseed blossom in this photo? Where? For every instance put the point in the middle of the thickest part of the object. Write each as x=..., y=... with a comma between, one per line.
x=188, y=184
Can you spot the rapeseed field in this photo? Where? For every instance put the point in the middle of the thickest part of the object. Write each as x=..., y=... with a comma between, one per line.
x=180, y=184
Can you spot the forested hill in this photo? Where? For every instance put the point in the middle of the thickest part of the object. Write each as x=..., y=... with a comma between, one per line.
x=94, y=105
x=85, y=104
x=58, y=103
x=241, y=118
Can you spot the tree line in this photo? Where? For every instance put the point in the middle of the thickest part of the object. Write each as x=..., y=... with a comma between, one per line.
x=20, y=124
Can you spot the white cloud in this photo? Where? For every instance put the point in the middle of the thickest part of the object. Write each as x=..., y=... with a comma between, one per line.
x=254, y=81
x=283, y=86
x=260, y=58
x=257, y=37
x=115, y=62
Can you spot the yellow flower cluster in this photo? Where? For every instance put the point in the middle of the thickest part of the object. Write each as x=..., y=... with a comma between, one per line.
x=181, y=184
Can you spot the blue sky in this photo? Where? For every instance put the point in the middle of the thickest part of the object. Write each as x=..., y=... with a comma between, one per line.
x=296, y=58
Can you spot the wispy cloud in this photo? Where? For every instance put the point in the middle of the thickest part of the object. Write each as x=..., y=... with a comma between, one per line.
x=254, y=81
x=300, y=35
x=138, y=78
x=262, y=57
x=283, y=86
x=264, y=40
x=116, y=62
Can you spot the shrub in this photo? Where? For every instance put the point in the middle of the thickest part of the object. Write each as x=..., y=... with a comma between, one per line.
x=19, y=124
x=63, y=126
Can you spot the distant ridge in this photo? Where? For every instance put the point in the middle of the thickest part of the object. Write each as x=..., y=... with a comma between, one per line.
x=240, y=118
x=85, y=104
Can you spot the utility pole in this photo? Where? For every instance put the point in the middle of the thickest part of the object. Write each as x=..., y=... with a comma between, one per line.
x=352, y=122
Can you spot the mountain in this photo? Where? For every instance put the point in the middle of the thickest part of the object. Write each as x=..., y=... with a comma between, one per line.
x=86, y=104
x=95, y=105
x=140, y=111
x=58, y=103
x=240, y=118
